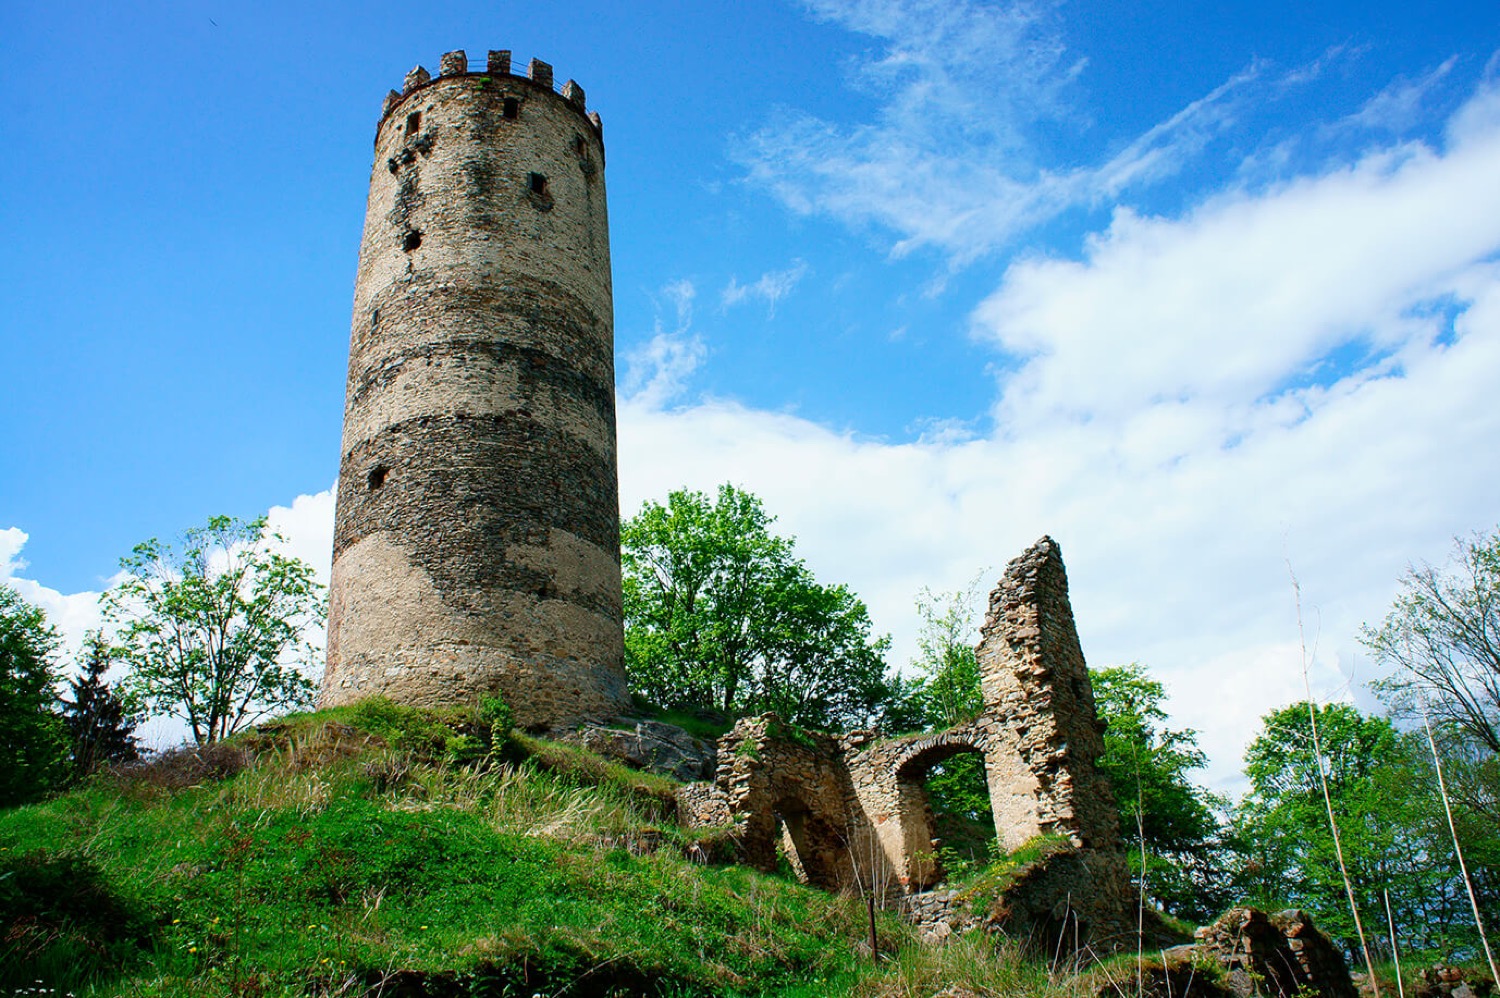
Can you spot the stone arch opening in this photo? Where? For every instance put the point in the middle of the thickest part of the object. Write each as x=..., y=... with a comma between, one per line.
x=807, y=841
x=947, y=816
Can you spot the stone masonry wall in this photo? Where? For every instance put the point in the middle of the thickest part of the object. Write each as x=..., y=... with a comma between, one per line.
x=789, y=788
x=1043, y=777
x=476, y=544
x=854, y=809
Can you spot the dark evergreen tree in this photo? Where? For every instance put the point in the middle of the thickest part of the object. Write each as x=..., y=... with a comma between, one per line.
x=99, y=726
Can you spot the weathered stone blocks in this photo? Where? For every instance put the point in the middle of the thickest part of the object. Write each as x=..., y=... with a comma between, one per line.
x=851, y=812
x=476, y=544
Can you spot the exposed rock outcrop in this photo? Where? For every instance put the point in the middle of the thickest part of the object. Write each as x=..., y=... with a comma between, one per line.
x=1282, y=954
x=653, y=746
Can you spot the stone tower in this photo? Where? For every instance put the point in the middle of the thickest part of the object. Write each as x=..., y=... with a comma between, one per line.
x=476, y=540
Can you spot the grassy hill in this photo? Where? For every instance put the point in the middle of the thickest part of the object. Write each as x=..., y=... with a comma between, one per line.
x=380, y=850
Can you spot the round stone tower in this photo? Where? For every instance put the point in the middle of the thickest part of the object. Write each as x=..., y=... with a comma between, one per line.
x=476, y=542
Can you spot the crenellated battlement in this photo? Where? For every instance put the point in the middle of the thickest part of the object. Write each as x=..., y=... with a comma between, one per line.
x=497, y=64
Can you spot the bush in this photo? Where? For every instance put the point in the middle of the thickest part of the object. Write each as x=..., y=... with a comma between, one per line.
x=180, y=768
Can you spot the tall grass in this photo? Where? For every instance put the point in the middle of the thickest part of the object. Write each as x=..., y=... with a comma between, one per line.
x=1333, y=825
x=1458, y=850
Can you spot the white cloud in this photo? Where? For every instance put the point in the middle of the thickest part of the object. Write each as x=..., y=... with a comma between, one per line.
x=73, y=614
x=1191, y=416
x=657, y=371
x=307, y=525
x=1207, y=316
x=1400, y=105
x=948, y=160
x=770, y=288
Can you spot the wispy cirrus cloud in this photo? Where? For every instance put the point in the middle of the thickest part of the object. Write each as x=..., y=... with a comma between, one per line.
x=771, y=287
x=949, y=160
x=658, y=370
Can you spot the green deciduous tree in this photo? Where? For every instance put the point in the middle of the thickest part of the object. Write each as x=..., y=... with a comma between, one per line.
x=1170, y=825
x=100, y=728
x=944, y=692
x=1441, y=644
x=1386, y=822
x=720, y=614
x=1442, y=641
x=213, y=629
x=33, y=744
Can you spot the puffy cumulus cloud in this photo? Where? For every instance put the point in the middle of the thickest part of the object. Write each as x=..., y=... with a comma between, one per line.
x=1283, y=389
x=307, y=526
x=1234, y=308
x=73, y=614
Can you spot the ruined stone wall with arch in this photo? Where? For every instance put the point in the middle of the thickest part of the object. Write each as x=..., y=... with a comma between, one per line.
x=852, y=811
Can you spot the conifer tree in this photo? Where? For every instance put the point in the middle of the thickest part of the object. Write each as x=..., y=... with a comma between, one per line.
x=99, y=726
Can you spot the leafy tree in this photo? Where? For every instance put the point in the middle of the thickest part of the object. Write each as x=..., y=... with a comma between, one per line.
x=1171, y=828
x=1385, y=822
x=946, y=692
x=100, y=727
x=213, y=629
x=719, y=614
x=1442, y=637
x=1441, y=643
x=33, y=744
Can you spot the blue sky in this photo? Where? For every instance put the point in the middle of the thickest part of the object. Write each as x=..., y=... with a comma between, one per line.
x=1201, y=290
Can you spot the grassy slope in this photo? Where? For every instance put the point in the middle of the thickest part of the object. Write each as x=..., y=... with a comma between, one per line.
x=381, y=850
x=335, y=862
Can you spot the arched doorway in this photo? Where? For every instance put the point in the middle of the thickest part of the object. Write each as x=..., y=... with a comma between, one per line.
x=947, y=819
x=809, y=843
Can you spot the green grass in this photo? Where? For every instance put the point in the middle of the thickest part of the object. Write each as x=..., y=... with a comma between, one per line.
x=377, y=850
x=335, y=860
x=990, y=880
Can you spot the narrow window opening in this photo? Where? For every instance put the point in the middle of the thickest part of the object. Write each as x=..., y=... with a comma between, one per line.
x=512, y=108
x=375, y=319
x=578, y=148
x=413, y=122
x=538, y=183
x=377, y=476
x=412, y=241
